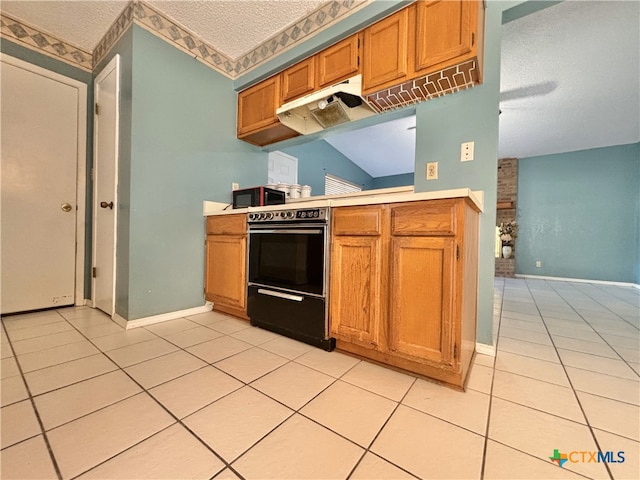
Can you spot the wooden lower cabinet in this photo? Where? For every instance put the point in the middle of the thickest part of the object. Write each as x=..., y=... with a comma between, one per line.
x=226, y=264
x=405, y=295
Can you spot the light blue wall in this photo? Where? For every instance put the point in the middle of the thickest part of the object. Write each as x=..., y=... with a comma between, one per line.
x=578, y=214
x=319, y=157
x=402, y=180
x=62, y=68
x=183, y=150
x=446, y=122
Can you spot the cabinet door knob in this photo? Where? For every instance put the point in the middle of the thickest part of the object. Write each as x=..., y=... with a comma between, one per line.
x=106, y=205
x=66, y=207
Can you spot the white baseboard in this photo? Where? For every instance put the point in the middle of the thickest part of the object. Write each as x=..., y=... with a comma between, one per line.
x=163, y=317
x=484, y=349
x=579, y=280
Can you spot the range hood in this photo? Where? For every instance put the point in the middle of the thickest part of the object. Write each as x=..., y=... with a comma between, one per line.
x=339, y=103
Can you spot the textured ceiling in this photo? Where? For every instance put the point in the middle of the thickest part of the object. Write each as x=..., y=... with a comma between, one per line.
x=232, y=26
x=82, y=23
x=236, y=26
x=570, y=79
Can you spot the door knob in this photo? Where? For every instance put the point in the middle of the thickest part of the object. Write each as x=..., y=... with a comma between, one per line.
x=106, y=205
x=66, y=207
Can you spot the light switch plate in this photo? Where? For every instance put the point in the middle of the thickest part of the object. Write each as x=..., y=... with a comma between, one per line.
x=235, y=186
x=432, y=171
x=466, y=152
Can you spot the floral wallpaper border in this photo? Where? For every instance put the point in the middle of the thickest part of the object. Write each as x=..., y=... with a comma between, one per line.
x=148, y=17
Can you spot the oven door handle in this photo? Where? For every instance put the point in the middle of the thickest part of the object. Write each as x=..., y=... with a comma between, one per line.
x=286, y=296
x=283, y=230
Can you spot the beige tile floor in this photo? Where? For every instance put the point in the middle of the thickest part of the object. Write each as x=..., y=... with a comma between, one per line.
x=209, y=396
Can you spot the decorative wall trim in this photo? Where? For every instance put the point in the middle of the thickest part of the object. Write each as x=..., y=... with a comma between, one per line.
x=164, y=27
x=579, y=280
x=115, y=31
x=163, y=317
x=180, y=37
x=321, y=18
x=445, y=81
x=36, y=39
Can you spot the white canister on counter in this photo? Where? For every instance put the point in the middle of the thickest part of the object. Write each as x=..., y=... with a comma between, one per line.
x=305, y=191
x=283, y=187
x=294, y=190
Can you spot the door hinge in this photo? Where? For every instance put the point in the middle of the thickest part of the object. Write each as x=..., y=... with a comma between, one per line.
x=473, y=39
x=455, y=350
x=358, y=60
x=457, y=252
x=97, y=109
x=93, y=272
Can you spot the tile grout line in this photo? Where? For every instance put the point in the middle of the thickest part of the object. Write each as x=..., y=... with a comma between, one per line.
x=177, y=420
x=593, y=435
x=375, y=437
x=35, y=410
x=493, y=378
x=597, y=333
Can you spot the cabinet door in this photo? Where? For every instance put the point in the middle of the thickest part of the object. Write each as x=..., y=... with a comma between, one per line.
x=385, y=52
x=257, y=105
x=298, y=80
x=421, y=298
x=225, y=272
x=356, y=299
x=444, y=31
x=338, y=62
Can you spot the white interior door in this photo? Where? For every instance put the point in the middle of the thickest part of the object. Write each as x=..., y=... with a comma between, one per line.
x=43, y=125
x=283, y=168
x=106, y=94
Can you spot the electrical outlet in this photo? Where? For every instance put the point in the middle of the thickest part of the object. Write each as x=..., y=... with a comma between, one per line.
x=235, y=186
x=432, y=171
x=538, y=264
x=466, y=152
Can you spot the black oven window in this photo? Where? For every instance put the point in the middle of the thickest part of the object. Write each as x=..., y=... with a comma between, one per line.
x=291, y=261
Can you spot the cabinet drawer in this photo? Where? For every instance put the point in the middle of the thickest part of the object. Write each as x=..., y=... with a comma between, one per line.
x=227, y=224
x=357, y=221
x=421, y=218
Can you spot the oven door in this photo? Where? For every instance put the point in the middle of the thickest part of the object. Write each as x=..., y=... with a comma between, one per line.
x=288, y=257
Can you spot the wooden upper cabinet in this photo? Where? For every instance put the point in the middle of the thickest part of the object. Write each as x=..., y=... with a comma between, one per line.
x=257, y=120
x=338, y=62
x=257, y=105
x=445, y=30
x=385, y=52
x=298, y=80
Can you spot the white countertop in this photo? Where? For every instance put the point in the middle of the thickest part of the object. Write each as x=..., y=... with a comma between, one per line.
x=366, y=197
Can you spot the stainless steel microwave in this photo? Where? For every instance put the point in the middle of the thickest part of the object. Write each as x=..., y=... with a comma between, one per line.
x=257, y=197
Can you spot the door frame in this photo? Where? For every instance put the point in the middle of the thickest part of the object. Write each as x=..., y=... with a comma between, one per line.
x=81, y=165
x=114, y=64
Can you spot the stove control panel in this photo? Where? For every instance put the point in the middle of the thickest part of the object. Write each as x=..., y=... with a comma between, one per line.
x=291, y=215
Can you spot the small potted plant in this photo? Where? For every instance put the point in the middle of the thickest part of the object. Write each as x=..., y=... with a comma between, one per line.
x=508, y=234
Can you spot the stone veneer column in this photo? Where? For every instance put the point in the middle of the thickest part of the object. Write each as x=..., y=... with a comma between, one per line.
x=507, y=193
